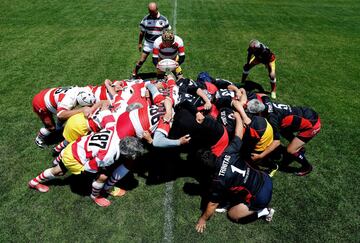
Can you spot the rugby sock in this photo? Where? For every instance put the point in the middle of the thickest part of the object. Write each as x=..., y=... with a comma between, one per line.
x=57, y=160
x=273, y=84
x=300, y=157
x=43, y=133
x=137, y=67
x=61, y=146
x=96, y=188
x=118, y=173
x=262, y=212
x=46, y=175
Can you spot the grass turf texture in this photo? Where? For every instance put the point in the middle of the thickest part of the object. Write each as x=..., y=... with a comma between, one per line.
x=56, y=43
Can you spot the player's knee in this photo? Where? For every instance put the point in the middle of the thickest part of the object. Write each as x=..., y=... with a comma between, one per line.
x=102, y=178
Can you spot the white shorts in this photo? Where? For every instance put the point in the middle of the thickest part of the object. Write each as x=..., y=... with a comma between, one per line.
x=148, y=46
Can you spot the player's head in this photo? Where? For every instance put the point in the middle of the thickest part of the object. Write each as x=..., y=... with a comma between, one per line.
x=131, y=148
x=208, y=159
x=254, y=43
x=85, y=98
x=202, y=78
x=255, y=106
x=153, y=9
x=168, y=37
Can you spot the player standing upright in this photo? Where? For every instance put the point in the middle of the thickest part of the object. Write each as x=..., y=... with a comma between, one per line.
x=259, y=53
x=151, y=28
x=169, y=46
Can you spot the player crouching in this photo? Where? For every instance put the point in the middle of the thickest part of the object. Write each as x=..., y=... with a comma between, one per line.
x=91, y=154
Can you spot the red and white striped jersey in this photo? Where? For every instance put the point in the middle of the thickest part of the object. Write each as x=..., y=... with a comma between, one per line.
x=148, y=118
x=54, y=96
x=69, y=101
x=177, y=48
x=133, y=92
x=101, y=119
x=97, y=150
x=101, y=93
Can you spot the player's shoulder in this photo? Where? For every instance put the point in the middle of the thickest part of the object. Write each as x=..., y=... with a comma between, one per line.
x=158, y=41
x=178, y=39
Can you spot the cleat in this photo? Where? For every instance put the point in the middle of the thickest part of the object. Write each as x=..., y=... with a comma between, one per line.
x=117, y=192
x=304, y=172
x=40, y=142
x=101, y=201
x=273, y=171
x=270, y=216
x=273, y=94
x=39, y=187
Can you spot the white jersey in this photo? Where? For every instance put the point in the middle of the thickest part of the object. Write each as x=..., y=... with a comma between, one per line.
x=97, y=150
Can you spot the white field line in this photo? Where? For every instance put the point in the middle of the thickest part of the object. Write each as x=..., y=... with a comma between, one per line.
x=169, y=186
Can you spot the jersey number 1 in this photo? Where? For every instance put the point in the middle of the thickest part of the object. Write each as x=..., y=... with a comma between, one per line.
x=236, y=169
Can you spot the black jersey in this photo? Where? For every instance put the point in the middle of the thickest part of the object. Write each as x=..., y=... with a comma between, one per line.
x=262, y=53
x=282, y=116
x=234, y=175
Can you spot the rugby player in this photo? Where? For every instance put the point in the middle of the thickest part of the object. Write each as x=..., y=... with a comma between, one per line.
x=287, y=121
x=151, y=27
x=247, y=191
x=60, y=102
x=91, y=154
x=169, y=46
x=259, y=53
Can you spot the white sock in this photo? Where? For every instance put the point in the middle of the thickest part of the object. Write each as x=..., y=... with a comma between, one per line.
x=46, y=175
x=263, y=212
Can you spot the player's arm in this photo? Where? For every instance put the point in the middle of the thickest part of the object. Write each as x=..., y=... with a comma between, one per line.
x=161, y=141
x=141, y=37
x=109, y=87
x=204, y=97
x=210, y=210
x=239, y=131
x=239, y=107
x=63, y=114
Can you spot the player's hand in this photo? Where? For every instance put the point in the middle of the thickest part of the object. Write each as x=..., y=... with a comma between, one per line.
x=238, y=95
x=207, y=105
x=140, y=47
x=185, y=139
x=201, y=225
x=147, y=137
x=255, y=157
x=199, y=117
x=167, y=117
x=108, y=82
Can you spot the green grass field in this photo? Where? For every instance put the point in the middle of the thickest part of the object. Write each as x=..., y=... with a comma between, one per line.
x=56, y=43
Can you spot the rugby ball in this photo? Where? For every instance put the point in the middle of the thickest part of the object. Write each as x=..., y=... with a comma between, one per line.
x=167, y=65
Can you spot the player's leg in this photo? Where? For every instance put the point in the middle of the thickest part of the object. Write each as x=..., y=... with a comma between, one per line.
x=246, y=68
x=49, y=127
x=97, y=186
x=145, y=53
x=296, y=149
x=120, y=172
x=75, y=127
x=46, y=175
x=271, y=69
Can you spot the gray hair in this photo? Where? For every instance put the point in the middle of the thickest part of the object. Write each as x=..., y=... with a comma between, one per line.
x=254, y=43
x=131, y=148
x=255, y=106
